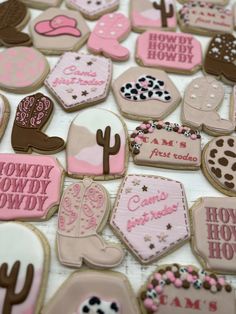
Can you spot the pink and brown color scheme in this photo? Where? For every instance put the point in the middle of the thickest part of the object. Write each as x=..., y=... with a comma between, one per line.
x=151, y=216
x=83, y=213
x=186, y=290
x=166, y=145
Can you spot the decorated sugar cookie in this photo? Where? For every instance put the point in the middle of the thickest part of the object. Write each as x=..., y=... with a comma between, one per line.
x=166, y=145
x=214, y=237
x=93, y=9
x=23, y=69
x=30, y=186
x=220, y=58
x=220, y=2
x=97, y=145
x=79, y=80
x=233, y=105
x=4, y=114
x=56, y=30
x=199, y=17
x=203, y=96
x=154, y=14
x=219, y=164
x=173, y=52
x=103, y=292
x=150, y=216
x=24, y=265
x=108, y=32
x=42, y=4
x=144, y=93
x=186, y=290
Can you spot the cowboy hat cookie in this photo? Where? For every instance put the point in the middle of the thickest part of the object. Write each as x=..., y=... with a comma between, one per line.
x=220, y=58
x=4, y=114
x=214, y=236
x=144, y=93
x=42, y=4
x=186, y=290
x=23, y=69
x=25, y=257
x=93, y=9
x=104, y=292
x=56, y=30
x=13, y=18
x=166, y=145
x=172, y=52
x=202, y=98
x=97, y=145
x=30, y=186
x=79, y=80
x=153, y=14
x=108, y=32
x=150, y=216
x=83, y=214
x=219, y=164
x=199, y=17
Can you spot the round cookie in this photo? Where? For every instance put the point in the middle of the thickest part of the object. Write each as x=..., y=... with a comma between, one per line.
x=23, y=69
x=219, y=164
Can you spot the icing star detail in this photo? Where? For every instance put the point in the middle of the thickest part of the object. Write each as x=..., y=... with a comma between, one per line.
x=162, y=237
x=84, y=93
x=89, y=63
x=152, y=246
x=77, y=58
x=144, y=188
x=74, y=96
x=168, y=227
x=136, y=182
x=147, y=238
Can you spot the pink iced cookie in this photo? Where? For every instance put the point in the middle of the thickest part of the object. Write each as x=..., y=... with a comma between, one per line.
x=151, y=216
x=23, y=69
x=173, y=52
x=30, y=186
x=108, y=32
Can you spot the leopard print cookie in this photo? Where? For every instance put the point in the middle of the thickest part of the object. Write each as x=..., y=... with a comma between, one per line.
x=219, y=164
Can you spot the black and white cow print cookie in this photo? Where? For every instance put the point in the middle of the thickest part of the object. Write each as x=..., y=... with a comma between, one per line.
x=219, y=164
x=97, y=305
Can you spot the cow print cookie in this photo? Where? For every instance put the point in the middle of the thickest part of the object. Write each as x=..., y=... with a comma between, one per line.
x=96, y=305
x=143, y=93
x=219, y=164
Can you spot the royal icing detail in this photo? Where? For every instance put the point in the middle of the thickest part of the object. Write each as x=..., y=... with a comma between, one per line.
x=103, y=292
x=165, y=144
x=23, y=69
x=220, y=57
x=151, y=216
x=24, y=256
x=203, y=97
x=97, y=145
x=214, y=229
x=205, y=18
x=108, y=32
x=80, y=79
x=82, y=214
x=170, y=51
x=186, y=290
x=30, y=186
x=220, y=164
x=57, y=30
x=155, y=14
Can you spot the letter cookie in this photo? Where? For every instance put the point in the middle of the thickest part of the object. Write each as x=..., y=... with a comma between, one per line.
x=24, y=264
x=172, y=52
x=83, y=213
x=219, y=164
x=214, y=233
x=153, y=14
x=166, y=145
x=202, y=98
x=103, y=292
x=150, y=216
x=144, y=93
x=97, y=145
x=108, y=32
x=186, y=290
x=79, y=80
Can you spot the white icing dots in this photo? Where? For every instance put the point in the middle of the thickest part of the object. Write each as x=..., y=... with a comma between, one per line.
x=209, y=105
x=196, y=86
x=193, y=96
x=212, y=96
x=100, y=31
x=120, y=25
x=218, y=40
x=112, y=33
x=215, y=86
x=102, y=24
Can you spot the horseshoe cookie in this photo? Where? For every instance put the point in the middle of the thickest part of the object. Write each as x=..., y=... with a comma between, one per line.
x=219, y=164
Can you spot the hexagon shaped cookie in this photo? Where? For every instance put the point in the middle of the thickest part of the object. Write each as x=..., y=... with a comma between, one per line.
x=55, y=31
x=151, y=216
x=79, y=80
x=144, y=93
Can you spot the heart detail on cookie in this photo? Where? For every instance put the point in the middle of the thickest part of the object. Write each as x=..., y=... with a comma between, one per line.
x=146, y=87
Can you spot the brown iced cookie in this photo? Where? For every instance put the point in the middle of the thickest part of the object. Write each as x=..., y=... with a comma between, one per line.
x=219, y=164
x=32, y=113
